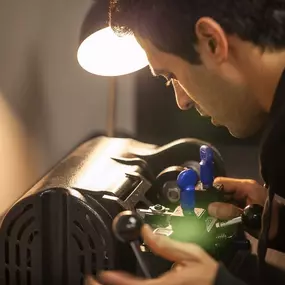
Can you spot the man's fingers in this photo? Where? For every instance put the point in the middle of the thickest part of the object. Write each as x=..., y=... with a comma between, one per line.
x=171, y=277
x=113, y=278
x=224, y=211
x=177, y=267
x=170, y=249
x=238, y=187
x=91, y=281
x=119, y=278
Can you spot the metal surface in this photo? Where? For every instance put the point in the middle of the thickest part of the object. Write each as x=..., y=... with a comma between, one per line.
x=91, y=167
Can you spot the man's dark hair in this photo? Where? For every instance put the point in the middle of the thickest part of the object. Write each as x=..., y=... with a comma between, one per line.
x=170, y=24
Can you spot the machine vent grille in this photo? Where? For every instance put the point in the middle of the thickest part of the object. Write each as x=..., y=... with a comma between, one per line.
x=20, y=241
x=91, y=243
x=54, y=238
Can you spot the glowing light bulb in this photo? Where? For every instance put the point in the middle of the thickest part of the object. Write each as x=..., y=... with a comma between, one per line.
x=106, y=54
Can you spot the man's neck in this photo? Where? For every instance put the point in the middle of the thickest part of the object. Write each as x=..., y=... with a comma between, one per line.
x=263, y=75
x=273, y=65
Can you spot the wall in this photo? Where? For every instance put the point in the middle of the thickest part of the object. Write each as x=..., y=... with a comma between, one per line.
x=76, y=99
x=52, y=104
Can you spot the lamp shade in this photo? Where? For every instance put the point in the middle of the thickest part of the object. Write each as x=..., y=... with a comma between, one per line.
x=101, y=51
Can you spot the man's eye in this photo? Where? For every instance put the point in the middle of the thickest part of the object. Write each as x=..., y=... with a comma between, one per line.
x=170, y=79
x=169, y=82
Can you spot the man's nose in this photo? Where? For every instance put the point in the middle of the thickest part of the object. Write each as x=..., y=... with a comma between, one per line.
x=182, y=99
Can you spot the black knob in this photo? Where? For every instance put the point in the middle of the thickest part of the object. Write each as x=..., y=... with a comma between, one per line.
x=252, y=216
x=127, y=226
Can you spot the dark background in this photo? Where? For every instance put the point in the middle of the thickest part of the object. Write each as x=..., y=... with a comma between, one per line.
x=160, y=121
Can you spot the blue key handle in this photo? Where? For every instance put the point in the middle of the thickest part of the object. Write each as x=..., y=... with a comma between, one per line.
x=187, y=181
x=206, y=166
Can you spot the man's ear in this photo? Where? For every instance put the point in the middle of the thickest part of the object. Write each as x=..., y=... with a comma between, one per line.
x=212, y=40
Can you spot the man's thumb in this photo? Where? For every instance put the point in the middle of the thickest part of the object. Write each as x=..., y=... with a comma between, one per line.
x=224, y=211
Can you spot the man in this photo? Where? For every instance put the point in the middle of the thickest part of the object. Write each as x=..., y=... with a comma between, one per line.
x=227, y=58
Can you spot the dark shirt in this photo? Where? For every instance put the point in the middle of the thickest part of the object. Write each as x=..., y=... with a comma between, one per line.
x=272, y=166
x=272, y=157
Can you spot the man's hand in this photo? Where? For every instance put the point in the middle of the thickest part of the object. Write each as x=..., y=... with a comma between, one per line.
x=245, y=192
x=192, y=264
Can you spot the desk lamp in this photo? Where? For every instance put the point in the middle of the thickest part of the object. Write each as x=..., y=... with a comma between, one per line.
x=102, y=52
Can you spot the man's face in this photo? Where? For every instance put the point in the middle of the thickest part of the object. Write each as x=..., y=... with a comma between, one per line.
x=218, y=92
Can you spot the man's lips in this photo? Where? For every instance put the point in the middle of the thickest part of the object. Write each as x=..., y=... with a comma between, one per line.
x=215, y=123
x=201, y=112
